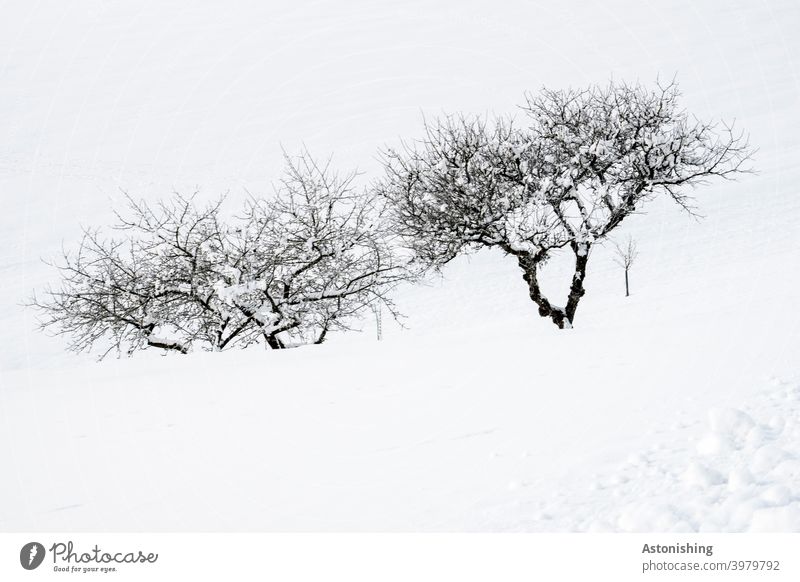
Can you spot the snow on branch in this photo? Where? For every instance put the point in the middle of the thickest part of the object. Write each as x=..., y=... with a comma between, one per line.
x=288, y=270
x=565, y=177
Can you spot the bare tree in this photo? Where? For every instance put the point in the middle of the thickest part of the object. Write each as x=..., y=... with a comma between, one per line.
x=586, y=160
x=287, y=271
x=625, y=257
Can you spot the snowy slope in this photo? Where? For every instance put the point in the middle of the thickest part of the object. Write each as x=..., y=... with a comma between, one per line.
x=674, y=409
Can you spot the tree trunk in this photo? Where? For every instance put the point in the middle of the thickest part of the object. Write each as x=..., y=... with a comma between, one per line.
x=577, y=290
x=274, y=342
x=563, y=318
x=529, y=264
x=168, y=345
x=164, y=344
x=627, y=291
x=322, y=335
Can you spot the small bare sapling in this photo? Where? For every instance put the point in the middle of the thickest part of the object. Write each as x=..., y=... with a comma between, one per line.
x=625, y=257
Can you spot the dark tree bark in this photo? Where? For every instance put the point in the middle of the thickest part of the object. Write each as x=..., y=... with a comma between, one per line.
x=563, y=318
x=577, y=289
x=529, y=266
x=168, y=345
x=274, y=342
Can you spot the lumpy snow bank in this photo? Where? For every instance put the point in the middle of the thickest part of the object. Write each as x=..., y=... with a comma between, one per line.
x=741, y=475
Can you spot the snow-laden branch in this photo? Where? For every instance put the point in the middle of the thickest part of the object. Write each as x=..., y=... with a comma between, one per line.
x=286, y=271
x=582, y=162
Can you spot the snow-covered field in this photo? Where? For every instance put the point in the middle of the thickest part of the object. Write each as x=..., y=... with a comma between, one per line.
x=676, y=409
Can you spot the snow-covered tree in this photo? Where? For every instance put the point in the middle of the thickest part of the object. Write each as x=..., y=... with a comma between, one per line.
x=584, y=161
x=334, y=249
x=286, y=271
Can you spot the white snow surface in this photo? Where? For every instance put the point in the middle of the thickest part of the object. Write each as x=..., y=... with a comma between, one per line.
x=676, y=409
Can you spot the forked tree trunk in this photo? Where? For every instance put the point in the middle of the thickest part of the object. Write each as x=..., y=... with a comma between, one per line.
x=274, y=342
x=562, y=317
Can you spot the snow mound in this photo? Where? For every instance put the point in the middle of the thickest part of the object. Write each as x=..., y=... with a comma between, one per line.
x=742, y=474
